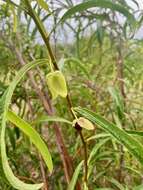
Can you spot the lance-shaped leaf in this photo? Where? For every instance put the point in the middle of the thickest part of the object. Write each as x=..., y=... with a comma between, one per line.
x=100, y=4
x=43, y=4
x=117, y=97
x=13, y=180
x=33, y=135
x=133, y=146
x=14, y=18
x=45, y=118
x=74, y=179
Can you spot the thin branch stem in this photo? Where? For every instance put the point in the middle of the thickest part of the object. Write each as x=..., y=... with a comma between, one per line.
x=43, y=173
x=85, y=156
x=45, y=37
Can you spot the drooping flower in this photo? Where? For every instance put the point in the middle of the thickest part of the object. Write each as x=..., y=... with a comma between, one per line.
x=57, y=84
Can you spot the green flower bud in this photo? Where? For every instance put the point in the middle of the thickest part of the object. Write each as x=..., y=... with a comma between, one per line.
x=57, y=84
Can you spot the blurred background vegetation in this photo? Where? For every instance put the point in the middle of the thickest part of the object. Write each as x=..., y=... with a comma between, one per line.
x=101, y=55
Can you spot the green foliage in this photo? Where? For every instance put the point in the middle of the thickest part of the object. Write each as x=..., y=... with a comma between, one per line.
x=101, y=4
x=99, y=64
x=131, y=144
x=118, y=102
x=34, y=137
x=7, y=170
x=43, y=4
x=74, y=179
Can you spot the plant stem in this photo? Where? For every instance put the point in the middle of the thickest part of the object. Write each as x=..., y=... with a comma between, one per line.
x=85, y=156
x=120, y=77
x=67, y=163
x=43, y=33
x=45, y=37
x=46, y=186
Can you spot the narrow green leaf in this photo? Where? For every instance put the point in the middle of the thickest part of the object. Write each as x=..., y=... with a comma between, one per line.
x=51, y=118
x=97, y=136
x=34, y=137
x=103, y=189
x=11, y=136
x=14, y=19
x=43, y=4
x=118, y=101
x=115, y=183
x=139, y=133
x=14, y=181
x=73, y=181
x=133, y=146
x=135, y=171
x=100, y=32
x=96, y=148
x=101, y=4
x=140, y=187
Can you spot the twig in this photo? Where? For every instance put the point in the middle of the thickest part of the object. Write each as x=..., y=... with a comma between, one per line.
x=43, y=173
x=85, y=156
